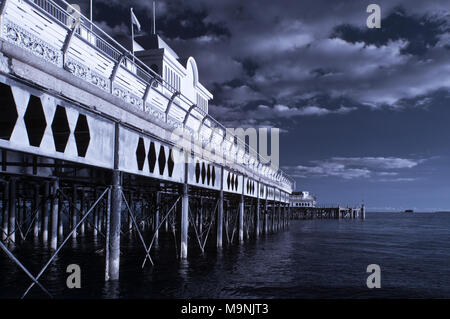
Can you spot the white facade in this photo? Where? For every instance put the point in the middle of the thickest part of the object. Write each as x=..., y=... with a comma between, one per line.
x=181, y=74
x=302, y=199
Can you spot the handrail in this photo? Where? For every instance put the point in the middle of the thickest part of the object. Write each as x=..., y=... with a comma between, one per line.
x=114, y=50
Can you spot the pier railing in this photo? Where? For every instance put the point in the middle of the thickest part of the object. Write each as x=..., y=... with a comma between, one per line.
x=123, y=75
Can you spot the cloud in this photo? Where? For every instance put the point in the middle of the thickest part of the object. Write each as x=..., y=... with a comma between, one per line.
x=378, y=162
x=292, y=52
x=356, y=167
x=262, y=114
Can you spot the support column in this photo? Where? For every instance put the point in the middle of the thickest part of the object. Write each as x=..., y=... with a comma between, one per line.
x=37, y=209
x=200, y=215
x=73, y=209
x=184, y=221
x=45, y=213
x=241, y=218
x=96, y=213
x=114, y=226
x=220, y=221
x=363, y=211
x=266, y=218
x=158, y=207
x=12, y=209
x=130, y=220
x=272, y=215
x=279, y=216
x=257, y=217
x=5, y=211
x=60, y=218
x=82, y=211
x=54, y=218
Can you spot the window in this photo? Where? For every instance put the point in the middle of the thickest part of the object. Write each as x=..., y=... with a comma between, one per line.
x=202, y=103
x=172, y=78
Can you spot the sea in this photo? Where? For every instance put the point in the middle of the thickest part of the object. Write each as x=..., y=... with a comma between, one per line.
x=320, y=258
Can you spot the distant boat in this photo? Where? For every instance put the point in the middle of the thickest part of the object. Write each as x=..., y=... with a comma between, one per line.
x=409, y=211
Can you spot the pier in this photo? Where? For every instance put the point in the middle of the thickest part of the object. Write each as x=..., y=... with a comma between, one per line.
x=327, y=212
x=87, y=146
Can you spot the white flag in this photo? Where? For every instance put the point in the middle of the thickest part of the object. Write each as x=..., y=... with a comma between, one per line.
x=135, y=20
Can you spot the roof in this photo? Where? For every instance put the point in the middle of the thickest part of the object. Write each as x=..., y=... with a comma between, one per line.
x=154, y=41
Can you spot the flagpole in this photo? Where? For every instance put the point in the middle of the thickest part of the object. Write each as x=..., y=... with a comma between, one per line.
x=132, y=32
x=154, y=19
x=90, y=12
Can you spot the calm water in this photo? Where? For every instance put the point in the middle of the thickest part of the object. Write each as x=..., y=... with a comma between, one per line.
x=313, y=259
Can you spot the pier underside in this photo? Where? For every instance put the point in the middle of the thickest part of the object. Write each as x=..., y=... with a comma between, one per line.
x=57, y=202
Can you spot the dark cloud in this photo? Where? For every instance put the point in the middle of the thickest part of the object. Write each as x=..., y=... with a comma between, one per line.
x=420, y=32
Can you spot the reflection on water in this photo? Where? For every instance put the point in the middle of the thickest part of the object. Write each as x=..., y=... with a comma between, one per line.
x=313, y=259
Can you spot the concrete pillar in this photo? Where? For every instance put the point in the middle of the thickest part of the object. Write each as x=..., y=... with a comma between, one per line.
x=220, y=221
x=45, y=213
x=279, y=216
x=19, y=209
x=166, y=224
x=241, y=218
x=266, y=218
x=158, y=207
x=54, y=218
x=130, y=220
x=273, y=212
x=114, y=226
x=200, y=216
x=12, y=209
x=96, y=213
x=82, y=211
x=5, y=212
x=184, y=221
x=74, y=211
x=363, y=211
x=37, y=210
x=60, y=218
x=257, y=218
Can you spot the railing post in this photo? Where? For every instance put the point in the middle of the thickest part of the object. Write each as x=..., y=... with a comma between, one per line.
x=169, y=105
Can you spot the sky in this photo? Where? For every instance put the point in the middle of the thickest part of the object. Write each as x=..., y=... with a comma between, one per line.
x=364, y=113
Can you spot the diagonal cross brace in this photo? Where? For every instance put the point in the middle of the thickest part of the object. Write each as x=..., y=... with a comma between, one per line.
x=65, y=240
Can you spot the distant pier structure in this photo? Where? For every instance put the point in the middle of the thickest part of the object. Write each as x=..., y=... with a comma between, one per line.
x=303, y=205
x=87, y=146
